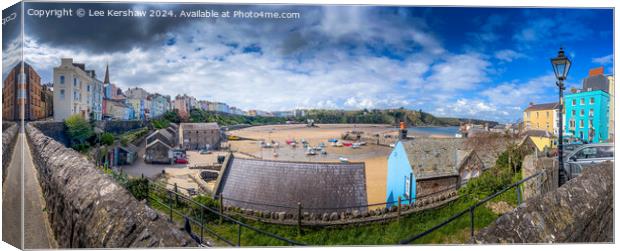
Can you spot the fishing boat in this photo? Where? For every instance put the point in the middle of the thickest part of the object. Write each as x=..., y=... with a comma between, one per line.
x=344, y=160
x=310, y=152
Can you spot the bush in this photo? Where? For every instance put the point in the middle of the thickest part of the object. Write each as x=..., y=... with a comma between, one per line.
x=160, y=123
x=208, y=202
x=130, y=137
x=79, y=130
x=107, y=139
x=139, y=188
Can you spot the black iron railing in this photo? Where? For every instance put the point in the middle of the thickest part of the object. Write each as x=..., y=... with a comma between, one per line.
x=175, y=198
x=471, y=211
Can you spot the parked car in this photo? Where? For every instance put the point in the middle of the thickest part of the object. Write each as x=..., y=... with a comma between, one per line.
x=205, y=151
x=181, y=161
x=586, y=156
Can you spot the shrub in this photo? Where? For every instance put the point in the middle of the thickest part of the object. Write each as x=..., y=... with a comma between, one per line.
x=139, y=188
x=210, y=203
x=107, y=139
x=79, y=130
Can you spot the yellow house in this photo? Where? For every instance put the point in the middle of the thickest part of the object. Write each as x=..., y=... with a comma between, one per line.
x=541, y=117
x=541, y=138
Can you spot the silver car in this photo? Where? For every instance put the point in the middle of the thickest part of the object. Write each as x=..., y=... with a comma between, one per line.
x=586, y=156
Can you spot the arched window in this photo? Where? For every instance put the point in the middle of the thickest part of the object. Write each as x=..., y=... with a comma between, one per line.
x=62, y=79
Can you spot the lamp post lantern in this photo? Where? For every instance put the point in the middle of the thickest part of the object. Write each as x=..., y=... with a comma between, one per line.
x=561, y=64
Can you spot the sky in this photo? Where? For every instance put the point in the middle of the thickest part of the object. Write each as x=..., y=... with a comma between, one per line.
x=484, y=63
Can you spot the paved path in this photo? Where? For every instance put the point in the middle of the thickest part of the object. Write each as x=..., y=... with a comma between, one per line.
x=37, y=231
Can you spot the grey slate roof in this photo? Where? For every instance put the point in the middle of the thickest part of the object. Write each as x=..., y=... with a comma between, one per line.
x=161, y=134
x=200, y=126
x=432, y=157
x=545, y=106
x=596, y=82
x=537, y=133
x=315, y=185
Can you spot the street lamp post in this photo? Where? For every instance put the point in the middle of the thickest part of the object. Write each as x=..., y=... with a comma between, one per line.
x=561, y=64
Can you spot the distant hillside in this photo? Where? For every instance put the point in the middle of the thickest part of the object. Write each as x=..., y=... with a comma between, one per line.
x=389, y=116
x=323, y=116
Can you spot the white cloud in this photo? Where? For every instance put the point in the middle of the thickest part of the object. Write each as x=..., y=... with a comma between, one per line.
x=604, y=60
x=508, y=55
x=459, y=72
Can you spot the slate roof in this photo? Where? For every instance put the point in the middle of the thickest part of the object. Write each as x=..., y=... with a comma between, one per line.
x=596, y=82
x=315, y=185
x=161, y=134
x=432, y=157
x=545, y=106
x=200, y=126
x=537, y=133
x=157, y=141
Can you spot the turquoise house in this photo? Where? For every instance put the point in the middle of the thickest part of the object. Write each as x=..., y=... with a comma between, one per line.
x=587, y=115
x=400, y=178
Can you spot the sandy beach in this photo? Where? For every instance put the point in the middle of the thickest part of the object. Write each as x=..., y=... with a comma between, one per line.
x=374, y=156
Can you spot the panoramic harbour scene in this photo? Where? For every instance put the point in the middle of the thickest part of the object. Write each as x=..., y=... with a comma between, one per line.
x=306, y=125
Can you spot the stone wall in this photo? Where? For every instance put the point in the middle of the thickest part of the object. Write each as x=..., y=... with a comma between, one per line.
x=118, y=127
x=54, y=130
x=544, y=183
x=579, y=211
x=431, y=186
x=9, y=136
x=88, y=209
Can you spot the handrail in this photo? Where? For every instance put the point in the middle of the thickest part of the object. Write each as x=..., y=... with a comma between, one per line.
x=469, y=209
x=224, y=216
x=343, y=207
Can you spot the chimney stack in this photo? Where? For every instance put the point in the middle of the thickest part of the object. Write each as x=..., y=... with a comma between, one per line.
x=403, y=131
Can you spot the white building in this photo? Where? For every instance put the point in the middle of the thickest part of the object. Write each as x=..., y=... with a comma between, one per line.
x=75, y=91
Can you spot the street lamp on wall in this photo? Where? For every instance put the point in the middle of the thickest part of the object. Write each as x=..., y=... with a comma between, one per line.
x=561, y=65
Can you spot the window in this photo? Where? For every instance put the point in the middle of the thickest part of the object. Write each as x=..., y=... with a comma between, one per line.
x=407, y=186
x=62, y=94
x=536, y=114
x=88, y=88
x=574, y=112
x=605, y=152
x=591, y=123
x=582, y=101
x=581, y=123
x=592, y=100
x=587, y=153
x=574, y=101
x=581, y=112
x=547, y=114
x=62, y=79
x=75, y=82
x=591, y=112
x=75, y=95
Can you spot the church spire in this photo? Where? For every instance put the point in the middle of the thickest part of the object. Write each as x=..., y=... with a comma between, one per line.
x=106, y=80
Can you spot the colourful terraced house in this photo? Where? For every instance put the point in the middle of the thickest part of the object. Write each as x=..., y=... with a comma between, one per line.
x=587, y=115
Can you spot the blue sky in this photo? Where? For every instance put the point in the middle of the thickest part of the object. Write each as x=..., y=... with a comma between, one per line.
x=486, y=63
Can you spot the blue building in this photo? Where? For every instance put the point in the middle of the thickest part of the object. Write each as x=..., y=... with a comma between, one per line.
x=587, y=115
x=400, y=177
x=428, y=166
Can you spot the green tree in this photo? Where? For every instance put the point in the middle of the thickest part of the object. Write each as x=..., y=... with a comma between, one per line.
x=79, y=130
x=107, y=139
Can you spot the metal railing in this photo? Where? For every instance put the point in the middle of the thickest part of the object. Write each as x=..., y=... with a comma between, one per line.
x=393, y=203
x=174, y=198
x=471, y=211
